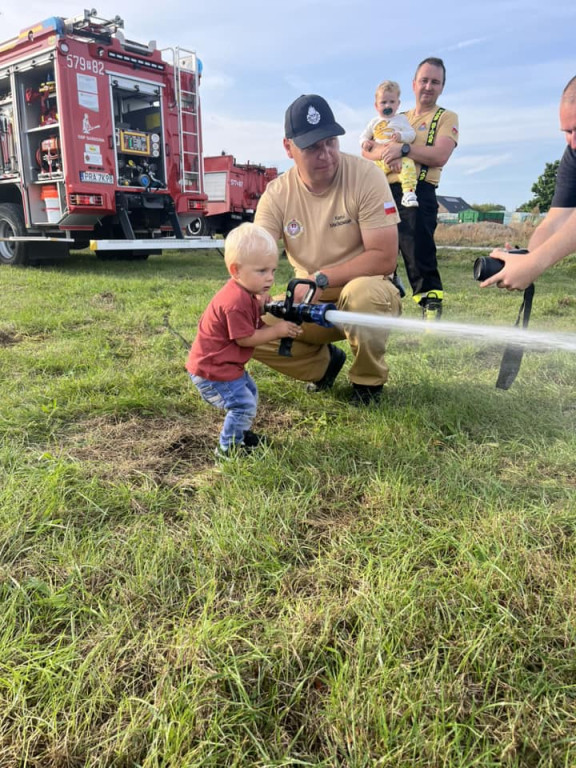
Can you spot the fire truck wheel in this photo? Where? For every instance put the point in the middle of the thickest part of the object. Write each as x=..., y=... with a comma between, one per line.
x=138, y=256
x=198, y=227
x=12, y=225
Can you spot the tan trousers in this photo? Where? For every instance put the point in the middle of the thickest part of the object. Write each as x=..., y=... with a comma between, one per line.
x=310, y=355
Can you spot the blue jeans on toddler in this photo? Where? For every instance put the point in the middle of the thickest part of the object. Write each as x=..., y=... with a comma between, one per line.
x=239, y=398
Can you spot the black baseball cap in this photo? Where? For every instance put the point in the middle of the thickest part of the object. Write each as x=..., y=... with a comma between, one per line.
x=309, y=119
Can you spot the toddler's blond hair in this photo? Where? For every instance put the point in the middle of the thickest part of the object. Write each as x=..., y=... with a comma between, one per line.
x=245, y=239
x=387, y=85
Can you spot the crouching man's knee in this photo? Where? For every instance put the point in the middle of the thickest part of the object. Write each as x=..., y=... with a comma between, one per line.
x=373, y=295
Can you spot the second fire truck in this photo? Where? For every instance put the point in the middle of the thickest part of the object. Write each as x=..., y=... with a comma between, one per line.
x=233, y=191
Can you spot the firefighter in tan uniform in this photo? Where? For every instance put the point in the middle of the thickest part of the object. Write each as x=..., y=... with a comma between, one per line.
x=436, y=138
x=337, y=217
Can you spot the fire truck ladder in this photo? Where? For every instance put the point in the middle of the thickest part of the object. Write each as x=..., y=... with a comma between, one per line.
x=188, y=116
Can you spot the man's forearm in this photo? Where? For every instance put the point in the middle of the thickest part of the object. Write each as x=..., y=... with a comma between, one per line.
x=434, y=156
x=540, y=235
x=554, y=242
x=555, y=238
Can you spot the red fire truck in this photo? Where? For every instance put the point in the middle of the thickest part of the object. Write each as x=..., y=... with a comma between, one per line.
x=233, y=191
x=100, y=142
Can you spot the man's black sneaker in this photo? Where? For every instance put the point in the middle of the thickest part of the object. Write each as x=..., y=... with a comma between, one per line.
x=363, y=394
x=337, y=360
x=252, y=440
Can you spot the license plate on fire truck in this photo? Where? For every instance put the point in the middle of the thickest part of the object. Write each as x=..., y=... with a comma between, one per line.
x=96, y=177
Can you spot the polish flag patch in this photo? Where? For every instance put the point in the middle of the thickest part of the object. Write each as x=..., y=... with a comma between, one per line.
x=389, y=208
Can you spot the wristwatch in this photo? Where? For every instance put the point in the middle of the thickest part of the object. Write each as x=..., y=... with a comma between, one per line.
x=405, y=150
x=321, y=280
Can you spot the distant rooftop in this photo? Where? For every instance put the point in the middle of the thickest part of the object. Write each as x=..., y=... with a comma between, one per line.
x=452, y=204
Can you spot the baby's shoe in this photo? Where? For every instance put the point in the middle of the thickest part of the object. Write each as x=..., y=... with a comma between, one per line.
x=409, y=200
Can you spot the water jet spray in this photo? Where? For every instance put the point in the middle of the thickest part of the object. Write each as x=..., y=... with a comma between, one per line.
x=328, y=315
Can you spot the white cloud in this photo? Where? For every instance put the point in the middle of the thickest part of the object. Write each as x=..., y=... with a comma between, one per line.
x=465, y=44
x=298, y=84
x=469, y=164
x=488, y=125
x=217, y=81
x=249, y=141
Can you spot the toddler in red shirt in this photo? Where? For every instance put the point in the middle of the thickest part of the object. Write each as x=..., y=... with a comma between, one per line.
x=230, y=328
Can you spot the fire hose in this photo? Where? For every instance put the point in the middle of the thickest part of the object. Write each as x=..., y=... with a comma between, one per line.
x=327, y=314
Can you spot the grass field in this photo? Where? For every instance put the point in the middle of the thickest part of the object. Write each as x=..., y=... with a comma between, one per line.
x=389, y=587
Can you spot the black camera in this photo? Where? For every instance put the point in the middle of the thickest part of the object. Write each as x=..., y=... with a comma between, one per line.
x=486, y=266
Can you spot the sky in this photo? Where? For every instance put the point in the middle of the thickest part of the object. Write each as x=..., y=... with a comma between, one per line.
x=507, y=62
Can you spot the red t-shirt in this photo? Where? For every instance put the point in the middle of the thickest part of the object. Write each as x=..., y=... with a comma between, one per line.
x=233, y=313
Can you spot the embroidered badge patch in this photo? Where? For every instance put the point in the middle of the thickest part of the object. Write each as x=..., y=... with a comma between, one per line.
x=422, y=127
x=294, y=228
x=313, y=116
x=389, y=208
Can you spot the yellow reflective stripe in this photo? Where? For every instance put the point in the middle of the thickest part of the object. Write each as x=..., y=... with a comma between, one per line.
x=430, y=140
x=428, y=295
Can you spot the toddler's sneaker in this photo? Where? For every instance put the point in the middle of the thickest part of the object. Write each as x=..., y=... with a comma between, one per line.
x=409, y=200
x=249, y=443
x=253, y=440
x=233, y=451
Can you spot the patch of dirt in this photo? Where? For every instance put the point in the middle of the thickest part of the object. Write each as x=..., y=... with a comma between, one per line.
x=274, y=423
x=164, y=450
x=171, y=451
x=8, y=337
x=105, y=300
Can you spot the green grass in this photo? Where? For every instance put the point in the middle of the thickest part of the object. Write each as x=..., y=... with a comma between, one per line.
x=391, y=587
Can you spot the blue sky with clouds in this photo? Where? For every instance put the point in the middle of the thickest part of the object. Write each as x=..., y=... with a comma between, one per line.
x=507, y=63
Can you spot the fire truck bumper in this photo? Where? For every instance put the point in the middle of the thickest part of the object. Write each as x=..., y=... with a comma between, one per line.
x=158, y=244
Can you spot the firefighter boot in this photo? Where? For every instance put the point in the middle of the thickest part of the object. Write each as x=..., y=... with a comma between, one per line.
x=431, y=305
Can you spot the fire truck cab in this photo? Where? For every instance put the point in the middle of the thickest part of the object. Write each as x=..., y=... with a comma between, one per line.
x=100, y=142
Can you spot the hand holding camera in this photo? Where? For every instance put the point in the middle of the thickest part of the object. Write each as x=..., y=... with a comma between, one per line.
x=487, y=266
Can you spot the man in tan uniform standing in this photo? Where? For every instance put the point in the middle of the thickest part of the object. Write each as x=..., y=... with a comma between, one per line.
x=436, y=138
x=337, y=217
